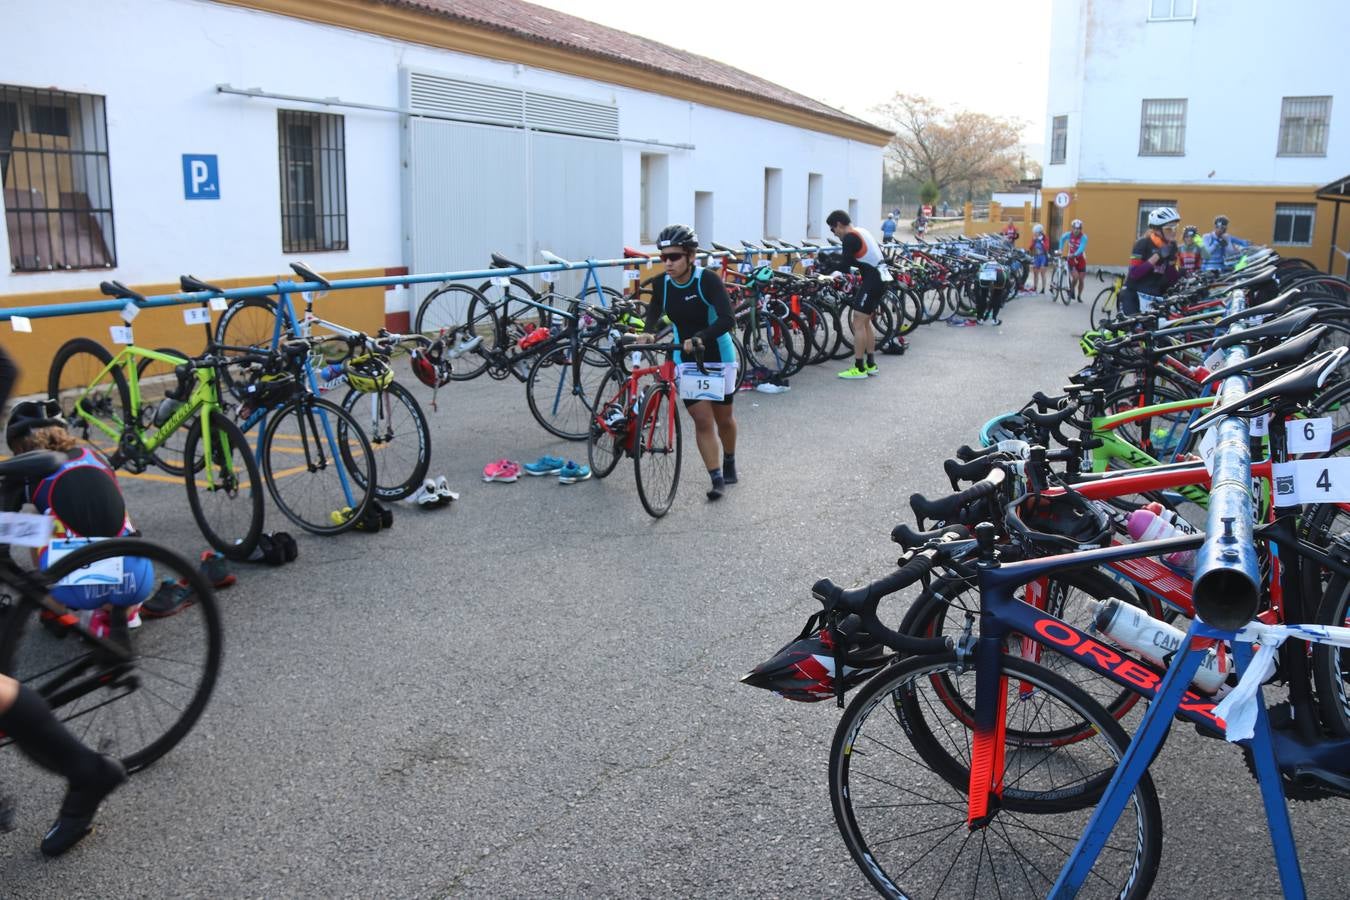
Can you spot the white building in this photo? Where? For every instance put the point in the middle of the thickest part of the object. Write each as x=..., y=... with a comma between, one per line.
x=363, y=135
x=1214, y=107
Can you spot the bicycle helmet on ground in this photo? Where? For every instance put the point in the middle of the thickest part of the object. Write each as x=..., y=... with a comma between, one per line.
x=30, y=415
x=804, y=670
x=1163, y=215
x=368, y=373
x=677, y=236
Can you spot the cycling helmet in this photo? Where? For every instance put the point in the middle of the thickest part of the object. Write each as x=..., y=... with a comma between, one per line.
x=430, y=367
x=368, y=373
x=1076, y=223
x=804, y=670
x=30, y=415
x=1064, y=522
x=1037, y=228
x=1190, y=231
x=677, y=236
x=1220, y=221
x=1163, y=215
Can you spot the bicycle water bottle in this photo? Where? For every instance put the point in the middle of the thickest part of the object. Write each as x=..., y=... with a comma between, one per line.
x=1146, y=525
x=330, y=371
x=1135, y=629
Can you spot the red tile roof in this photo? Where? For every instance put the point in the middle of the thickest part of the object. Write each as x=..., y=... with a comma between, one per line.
x=548, y=26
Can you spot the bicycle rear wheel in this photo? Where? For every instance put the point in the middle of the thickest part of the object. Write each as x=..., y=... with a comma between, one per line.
x=156, y=379
x=605, y=442
x=397, y=428
x=459, y=309
x=224, y=498
x=250, y=322
x=318, y=465
x=102, y=407
x=137, y=710
x=1103, y=307
x=656, y=464
x=902, y=808
x=561, y=393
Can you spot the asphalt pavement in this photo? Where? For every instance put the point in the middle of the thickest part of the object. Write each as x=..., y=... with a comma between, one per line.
x=535, y=691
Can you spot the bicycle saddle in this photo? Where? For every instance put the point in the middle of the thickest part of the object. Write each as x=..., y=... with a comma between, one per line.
x=120, y=291
x=1293, y=350
x=501, y=262
x=630, y=253
x=193, y=285
x=1290, y=323
x=309, y=274
x=34, y=464
x=1295, y=386
x=723, y=247
x=1269, y=308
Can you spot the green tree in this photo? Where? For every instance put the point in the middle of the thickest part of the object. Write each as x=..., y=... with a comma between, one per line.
x=929, y=192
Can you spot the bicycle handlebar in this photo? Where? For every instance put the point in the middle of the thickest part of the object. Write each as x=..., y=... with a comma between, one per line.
x=863, y=601
x=943, y=509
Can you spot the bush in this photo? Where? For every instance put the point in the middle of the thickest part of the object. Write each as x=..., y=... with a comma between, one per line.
x=929, y=193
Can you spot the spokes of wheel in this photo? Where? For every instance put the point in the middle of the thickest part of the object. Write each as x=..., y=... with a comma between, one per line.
x=399, y=435
x=70, y=381
x=223, y=487
x=899, y=777
x=468, y=321
x=657, y=463
x=561, y=389
x=318, y=485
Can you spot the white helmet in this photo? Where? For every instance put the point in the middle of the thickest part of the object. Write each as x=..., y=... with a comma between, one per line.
x=1076, y=223
x=1163, y=215
x=1037, y=229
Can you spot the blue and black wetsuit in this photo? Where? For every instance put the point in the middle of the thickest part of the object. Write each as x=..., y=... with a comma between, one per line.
x=699, y=308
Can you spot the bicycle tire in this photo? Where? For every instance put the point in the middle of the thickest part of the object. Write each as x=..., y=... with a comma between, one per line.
x=760, y=347
x=399, y=433
x=506, y=300
x=934, y=304
x=348, y=484
x=70, y=380
x=797, y=336
x=561, y=399
x=605, y=446
x=440, y=312
x=657, y=448
x=1105, y=301
x=235, y=540
x=882, y=794
x=243, y=325
x=909, y=308
x=169, y=455
x=43, y=658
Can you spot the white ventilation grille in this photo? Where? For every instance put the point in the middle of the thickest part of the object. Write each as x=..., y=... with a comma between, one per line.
x=508, y=105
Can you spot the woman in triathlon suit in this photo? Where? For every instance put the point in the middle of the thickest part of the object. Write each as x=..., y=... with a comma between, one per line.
x=28, y=722
x=696, y=302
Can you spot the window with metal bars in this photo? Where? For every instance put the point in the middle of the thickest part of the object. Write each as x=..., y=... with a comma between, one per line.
x=313, y=181
x=57, y=184
x=1059, y=140
x=1146, y=207
x=1294, y=224
x=1162, y=128
x=1304, y=122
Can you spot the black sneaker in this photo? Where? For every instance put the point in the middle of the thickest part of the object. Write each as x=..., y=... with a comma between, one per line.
x=171, y=599
x=76, y=819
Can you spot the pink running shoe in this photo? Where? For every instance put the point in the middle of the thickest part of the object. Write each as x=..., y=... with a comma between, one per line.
x=99, y=625
x=501, y=470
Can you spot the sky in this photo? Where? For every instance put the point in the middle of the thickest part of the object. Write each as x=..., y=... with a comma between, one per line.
x=983, y=55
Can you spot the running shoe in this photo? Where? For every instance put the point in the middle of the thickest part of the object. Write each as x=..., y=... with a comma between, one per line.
x=502, y=470
x=873, y=369
x=426, y=496
x=854, y=373
x=100, y=625
x=216, y=570
x=443, y=490
x=171, y=599
x=545, y=465
x=571, y=473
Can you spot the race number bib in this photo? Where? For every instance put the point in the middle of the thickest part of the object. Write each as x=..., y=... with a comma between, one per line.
x=102, y=573
x=696, y=385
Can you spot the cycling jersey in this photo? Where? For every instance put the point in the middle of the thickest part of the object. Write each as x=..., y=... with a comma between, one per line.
x=1040, y=249
x=860, y=250
x=1144, y=276
x=699, y=308
x=1071, y=244
x=1217, y=248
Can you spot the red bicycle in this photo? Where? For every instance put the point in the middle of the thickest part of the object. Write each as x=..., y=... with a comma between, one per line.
x=637, y=415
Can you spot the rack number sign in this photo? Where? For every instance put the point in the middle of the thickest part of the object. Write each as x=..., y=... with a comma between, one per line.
x=1312, y=481
x=1309, y=435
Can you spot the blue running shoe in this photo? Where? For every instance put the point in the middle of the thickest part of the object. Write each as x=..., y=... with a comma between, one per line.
x=545, y=465
x=572, y=473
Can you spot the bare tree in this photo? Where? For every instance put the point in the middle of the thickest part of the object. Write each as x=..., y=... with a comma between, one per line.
x=950, y=147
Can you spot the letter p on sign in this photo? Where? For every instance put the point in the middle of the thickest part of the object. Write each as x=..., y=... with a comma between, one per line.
x=201, y=177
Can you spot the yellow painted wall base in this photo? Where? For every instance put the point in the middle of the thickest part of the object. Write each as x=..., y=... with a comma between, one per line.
x=361, y=308
x=1110, y=212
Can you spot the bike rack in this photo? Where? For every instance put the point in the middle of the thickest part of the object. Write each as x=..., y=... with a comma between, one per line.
x=1228, y=555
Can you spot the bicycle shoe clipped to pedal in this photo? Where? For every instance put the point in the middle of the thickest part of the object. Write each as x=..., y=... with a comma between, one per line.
x=275, y=549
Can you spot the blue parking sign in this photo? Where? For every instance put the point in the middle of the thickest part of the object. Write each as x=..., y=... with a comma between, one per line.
x=201, y=176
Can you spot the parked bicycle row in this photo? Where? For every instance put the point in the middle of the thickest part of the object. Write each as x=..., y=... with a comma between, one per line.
x=1054, y=590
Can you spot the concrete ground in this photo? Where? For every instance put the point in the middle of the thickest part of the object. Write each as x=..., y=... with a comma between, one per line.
x=535, y=692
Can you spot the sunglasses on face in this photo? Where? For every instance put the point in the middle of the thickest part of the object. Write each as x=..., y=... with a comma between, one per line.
x=671, y=257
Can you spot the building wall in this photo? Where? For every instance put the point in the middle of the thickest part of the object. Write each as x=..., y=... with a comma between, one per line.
x=1106, y=58
x=162, y=104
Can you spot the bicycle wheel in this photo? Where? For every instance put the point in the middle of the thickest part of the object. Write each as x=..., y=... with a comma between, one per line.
x=224, y=498
x=250, y=322
x=311, y=482
x=902, y=809
x=509, y=300
x=156, y=379
x=908, y=312
x=1103, y=307
x=103, y=408
x=796, y=335
x=656, y=463
x=140, y=713
x=934, y=303
x=561, y=394
x=393, y=421
x=1071, y=596
x=459, y=309
x=605, y=442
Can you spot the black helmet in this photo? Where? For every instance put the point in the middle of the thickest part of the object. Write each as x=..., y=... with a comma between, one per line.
x=1220, y=221
x=804, y=670
x=30, y=415
x=677, y=236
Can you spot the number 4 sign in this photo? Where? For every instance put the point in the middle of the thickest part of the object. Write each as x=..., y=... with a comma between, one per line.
x=1312, y=481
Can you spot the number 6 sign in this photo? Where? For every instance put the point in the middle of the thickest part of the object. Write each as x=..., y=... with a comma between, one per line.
x=1309, y=435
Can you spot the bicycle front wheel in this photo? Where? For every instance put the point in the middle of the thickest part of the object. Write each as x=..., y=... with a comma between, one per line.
x=561, y=389
x=902, y=807
x=138, y=707
x=1103, y=307
x=656, y=463
x=224, y=495
x=397, y=428
x=318, y=465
